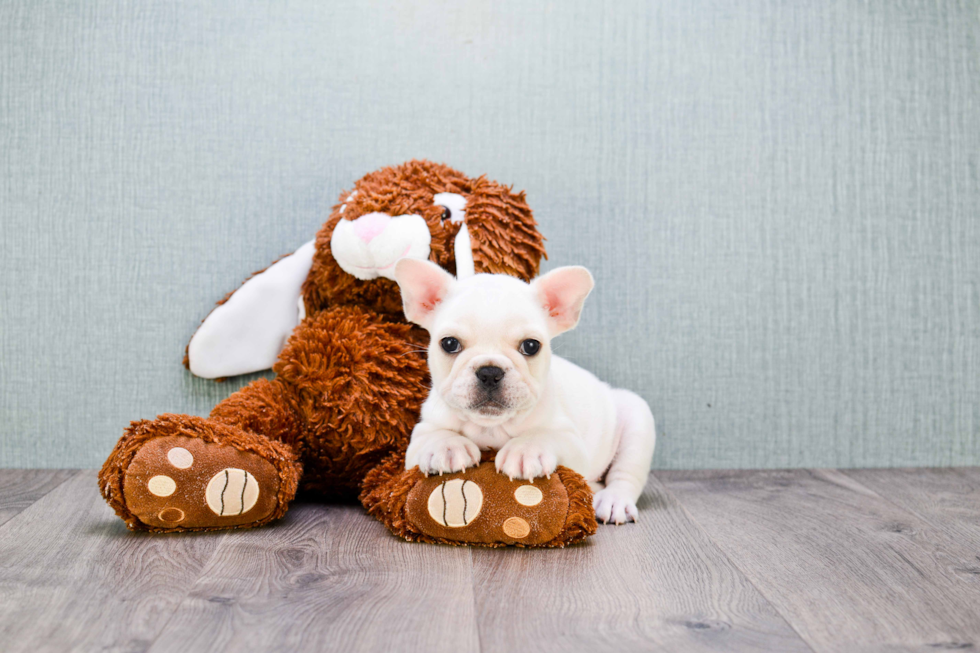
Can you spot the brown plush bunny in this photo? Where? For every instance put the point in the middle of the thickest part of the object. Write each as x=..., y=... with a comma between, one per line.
x=350, y=379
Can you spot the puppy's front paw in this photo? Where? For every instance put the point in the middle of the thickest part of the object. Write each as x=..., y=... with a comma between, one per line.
x=524, y=458
x=613, y=505
x=452, y=454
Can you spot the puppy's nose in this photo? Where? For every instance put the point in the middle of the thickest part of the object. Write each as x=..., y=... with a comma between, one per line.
x=489, y=376
x=368, y=226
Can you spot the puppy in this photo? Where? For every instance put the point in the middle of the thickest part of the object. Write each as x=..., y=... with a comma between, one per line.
x=496, y=385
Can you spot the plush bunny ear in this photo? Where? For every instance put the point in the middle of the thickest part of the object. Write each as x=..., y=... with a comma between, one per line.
x=424, y=285
x=562, y=294
x=504, y=236
x=246, y=332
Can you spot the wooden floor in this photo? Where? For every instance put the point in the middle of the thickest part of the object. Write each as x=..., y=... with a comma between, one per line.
x=882, y=560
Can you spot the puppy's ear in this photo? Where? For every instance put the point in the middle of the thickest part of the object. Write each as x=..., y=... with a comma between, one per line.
x=562, y=293
x=424, y=285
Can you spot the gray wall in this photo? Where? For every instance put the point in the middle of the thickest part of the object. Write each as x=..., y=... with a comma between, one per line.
x=780, y=200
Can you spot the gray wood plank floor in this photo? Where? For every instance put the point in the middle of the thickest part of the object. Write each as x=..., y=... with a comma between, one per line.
x=862, y=560
x=19, y=488
x=658, y=584
x=849, y=569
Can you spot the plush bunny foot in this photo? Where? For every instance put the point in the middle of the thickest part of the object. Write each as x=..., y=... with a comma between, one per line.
x=181, y=473
x=480, y=506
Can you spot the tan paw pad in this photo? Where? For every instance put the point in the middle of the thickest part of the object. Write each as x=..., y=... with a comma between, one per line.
x=180, y=458
x=161, y=486
x=455, y=503
x=528, y=495
x=516, y=528
x=232, y=492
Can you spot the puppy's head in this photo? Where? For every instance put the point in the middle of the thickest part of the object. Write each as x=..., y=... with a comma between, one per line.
x=490, y=334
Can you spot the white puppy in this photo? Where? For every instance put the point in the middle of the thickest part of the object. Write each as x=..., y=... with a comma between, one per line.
x=496, y=385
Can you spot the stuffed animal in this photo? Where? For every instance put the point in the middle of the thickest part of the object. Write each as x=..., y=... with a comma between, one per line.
x=350, y=378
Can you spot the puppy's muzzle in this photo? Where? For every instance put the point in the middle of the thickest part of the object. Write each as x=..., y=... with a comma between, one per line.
x=490, y=377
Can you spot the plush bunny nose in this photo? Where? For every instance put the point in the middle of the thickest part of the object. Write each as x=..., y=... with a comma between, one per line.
x=368, y=226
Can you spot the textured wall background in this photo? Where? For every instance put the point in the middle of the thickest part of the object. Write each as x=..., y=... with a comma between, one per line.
x=780, y=200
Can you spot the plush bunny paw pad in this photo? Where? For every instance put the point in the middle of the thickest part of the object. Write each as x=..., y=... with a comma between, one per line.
x=177, y=482
x=480, y=506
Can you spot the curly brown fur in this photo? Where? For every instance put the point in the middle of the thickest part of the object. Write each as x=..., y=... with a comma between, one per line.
x=580, y=521
x=385, y=491
x=358, y=382
x=503, y=232
x=265, y=407
x=112, y=474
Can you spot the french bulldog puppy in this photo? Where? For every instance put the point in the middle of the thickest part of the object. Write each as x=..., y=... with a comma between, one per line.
x=496, y=385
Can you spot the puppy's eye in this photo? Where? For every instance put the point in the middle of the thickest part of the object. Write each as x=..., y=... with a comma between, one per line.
x=451, y=345
x=446, y=213
x=529, y=347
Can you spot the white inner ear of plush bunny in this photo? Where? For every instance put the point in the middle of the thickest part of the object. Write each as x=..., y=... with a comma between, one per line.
x=247, y=332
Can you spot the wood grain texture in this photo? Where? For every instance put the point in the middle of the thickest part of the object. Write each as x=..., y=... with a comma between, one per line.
x=19, y=488
x=327, y=578
x=868, y=560
x=656, y=585
x=73, y=578
x=850, y=570
x=949, y=499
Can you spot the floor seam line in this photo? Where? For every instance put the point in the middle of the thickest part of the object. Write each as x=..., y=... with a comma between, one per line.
x=745, y=574
x=888, y=500
x=29, y=506
x=190, y=589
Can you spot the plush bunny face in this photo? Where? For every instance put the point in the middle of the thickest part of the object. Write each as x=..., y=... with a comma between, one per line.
x=418, y=210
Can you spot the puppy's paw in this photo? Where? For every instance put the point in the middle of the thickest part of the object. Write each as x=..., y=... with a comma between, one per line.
x=447, y=455
x=525, y=459
x=614, y=505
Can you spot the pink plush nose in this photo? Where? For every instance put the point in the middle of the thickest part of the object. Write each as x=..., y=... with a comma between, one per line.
x=368, y=226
